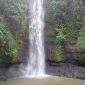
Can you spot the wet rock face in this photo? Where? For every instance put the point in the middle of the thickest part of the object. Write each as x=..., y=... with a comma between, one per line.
x=67, y=70
x=54, y=54
x=79, y=58
x=50, y=48
x=2, y=73
x=75, y=55
x=71, y=55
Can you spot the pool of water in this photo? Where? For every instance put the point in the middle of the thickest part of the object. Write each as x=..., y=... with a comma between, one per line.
x=43, y=81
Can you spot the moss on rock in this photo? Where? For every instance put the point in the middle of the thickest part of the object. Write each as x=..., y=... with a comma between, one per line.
x=59, y=54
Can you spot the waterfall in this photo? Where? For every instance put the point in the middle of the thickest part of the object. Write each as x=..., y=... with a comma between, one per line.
x=36, y=60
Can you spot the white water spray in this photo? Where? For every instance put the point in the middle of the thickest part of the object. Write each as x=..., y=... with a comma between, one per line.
x=36, y=61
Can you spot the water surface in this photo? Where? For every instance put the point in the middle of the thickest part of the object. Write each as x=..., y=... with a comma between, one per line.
x=43, y=81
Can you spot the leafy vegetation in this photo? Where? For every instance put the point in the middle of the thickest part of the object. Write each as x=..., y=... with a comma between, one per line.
x=67, y=19
x=13, y=28
x=65, y=22
x=8, y=46
x=59, y=54
x=81, y=40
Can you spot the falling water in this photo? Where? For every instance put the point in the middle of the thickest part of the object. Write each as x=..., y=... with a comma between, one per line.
x=36, y=61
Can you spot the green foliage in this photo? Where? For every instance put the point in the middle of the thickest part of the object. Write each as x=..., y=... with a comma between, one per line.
x=13, y=28
x=61, y=36
x=16, y=9
x=64, y=19
x=50, y=35
x=8, y=46
x=15, y=15
x=59, y=54
x=81, y=40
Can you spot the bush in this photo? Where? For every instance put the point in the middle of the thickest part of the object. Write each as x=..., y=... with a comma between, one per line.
x=59, y=54
x=8, y=46
x=81, y=40
x=61, y=37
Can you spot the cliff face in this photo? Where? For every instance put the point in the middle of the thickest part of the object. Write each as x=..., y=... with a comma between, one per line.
x=74, y=55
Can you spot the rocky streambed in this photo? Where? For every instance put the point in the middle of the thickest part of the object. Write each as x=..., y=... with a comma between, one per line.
x=66, y=70
x=63, y=70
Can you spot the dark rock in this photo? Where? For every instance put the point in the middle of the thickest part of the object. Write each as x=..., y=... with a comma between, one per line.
x=74, y=55
x=3, y=78
x=54, y=63
x=67, y=70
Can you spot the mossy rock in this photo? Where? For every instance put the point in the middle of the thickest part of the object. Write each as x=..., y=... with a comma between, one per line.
x=59, y=54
